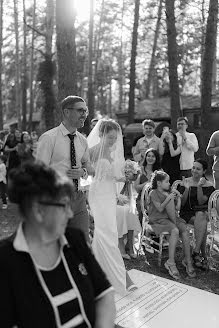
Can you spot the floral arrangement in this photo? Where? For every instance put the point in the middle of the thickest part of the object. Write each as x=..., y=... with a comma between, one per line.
x=132, y=168
x=122, y=200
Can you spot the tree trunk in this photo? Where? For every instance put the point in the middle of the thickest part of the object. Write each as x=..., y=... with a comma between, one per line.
x=208, y=59
x=17, y=66
x=24, y=73
x=32, y=67
x=66, y=48
x=90, y=70
x=173, y=62
x=152, y=62
x=132, y=83
x=121, y=64
x=1, y=44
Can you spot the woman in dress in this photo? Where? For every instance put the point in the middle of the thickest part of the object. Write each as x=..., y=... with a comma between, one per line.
x=196, y=191
x=151, y=163
x=107, y=157
x=48, y=275
x=170, y=151
x=24, y=148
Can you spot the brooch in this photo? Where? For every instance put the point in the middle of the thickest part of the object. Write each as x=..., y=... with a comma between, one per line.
x=82, y=269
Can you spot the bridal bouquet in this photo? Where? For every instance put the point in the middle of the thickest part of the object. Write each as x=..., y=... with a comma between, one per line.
x=122, y=200
x=132, y=169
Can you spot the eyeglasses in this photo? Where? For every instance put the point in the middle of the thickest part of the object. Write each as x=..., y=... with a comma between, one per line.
x=80, y=111
x=181, y=124
x=66, y=206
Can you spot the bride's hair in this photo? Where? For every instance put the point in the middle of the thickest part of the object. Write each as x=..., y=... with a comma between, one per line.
x=107, y=126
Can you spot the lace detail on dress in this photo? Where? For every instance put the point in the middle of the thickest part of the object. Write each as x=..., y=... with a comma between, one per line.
x=104, y=170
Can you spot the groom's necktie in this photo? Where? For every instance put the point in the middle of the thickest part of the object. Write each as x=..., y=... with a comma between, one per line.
x=73, y=156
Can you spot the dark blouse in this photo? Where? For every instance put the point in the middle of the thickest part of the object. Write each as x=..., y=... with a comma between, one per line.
x=23, y=301
x=191, y=204
x=170, y=164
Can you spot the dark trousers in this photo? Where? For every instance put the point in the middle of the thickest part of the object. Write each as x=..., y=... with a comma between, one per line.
x=3, y=192
x=80, y=219
x=185, y=173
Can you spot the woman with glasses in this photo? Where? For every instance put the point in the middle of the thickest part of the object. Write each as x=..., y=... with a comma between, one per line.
x=48, y=275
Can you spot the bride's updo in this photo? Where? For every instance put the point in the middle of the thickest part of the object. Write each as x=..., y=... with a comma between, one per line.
x=108, y=125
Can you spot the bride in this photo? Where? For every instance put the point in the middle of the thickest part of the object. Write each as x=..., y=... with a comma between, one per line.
x=107, y=157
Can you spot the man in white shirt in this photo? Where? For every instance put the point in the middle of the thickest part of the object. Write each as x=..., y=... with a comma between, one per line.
x=150, y=140
x=54, y=149
x=189, y=144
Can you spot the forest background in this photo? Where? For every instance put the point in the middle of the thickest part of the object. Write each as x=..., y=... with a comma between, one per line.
x=114, y=53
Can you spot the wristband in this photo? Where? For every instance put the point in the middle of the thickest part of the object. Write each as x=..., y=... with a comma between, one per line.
x=85, y=175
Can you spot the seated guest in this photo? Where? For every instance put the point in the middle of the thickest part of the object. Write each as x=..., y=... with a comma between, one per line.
x=150, y=164
x=196, y=191
x=170, y=153
x=48, y=276
x=163, y=217
x=24, y=149
x=150, y=140
x=128, y=224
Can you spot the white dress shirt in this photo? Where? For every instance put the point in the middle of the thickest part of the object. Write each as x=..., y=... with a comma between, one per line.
x=189, y=148
x=54, y=149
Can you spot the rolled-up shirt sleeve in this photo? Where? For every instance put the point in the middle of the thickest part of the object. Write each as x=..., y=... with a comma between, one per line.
x=45, y=149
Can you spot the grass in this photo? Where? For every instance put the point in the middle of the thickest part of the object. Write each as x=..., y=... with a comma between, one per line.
x=208, y=281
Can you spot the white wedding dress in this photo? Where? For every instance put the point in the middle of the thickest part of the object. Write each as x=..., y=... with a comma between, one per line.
x=102, y=200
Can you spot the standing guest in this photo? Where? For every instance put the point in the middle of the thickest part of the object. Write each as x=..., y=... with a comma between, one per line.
x=7, y=131
x=3, y=159
x=150, y=140
x=93, y=123
x=48, y=276
x=24, y=149
x=151, y=163
x=213, y=150
x=189, y=144
x=10, y=150
x=2, y=143
x=66, y=150
x=196, y=192
x=34, y=140
x=18, y=134
x=170, y=151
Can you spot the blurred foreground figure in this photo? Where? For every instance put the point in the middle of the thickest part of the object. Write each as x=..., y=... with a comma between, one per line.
x=49, y=277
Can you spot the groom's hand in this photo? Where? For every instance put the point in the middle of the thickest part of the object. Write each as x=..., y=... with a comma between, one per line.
x=75, y=173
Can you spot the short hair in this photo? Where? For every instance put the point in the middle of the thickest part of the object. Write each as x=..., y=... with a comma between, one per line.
x=94, y=120
x=179, y=119
x=36, y=180
x=70, y=100
x=148, y=122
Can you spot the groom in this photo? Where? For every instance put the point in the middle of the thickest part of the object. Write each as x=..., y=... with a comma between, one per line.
x=66, y=150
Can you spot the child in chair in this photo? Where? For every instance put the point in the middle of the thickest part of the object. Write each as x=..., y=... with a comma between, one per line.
x=163, y=217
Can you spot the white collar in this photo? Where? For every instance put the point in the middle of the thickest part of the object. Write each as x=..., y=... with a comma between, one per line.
x=20, y=243
x=65, y=131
